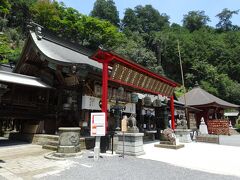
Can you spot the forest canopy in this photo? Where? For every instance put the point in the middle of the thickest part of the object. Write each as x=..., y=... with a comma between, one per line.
x=210, y=55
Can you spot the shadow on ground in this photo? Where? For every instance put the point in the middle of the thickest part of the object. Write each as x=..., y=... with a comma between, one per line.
x=6, y=142
x=150, y=141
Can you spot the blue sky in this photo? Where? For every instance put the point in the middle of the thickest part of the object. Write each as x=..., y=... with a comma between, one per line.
x=174, y=8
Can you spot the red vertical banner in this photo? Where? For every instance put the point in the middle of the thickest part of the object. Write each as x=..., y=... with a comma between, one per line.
x=105, y=90
x=172, y=112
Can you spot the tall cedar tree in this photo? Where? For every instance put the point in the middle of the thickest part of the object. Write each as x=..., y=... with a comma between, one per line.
x=106, y=9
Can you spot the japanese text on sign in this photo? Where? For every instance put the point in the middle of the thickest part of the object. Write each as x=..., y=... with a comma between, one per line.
x=98, y=127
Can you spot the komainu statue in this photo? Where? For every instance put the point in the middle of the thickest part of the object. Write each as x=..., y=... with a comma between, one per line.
x=132, y=124
x=169, y=135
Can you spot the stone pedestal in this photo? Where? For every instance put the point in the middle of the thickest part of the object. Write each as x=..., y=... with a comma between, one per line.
x=203, y=129
x=69, y=140
x=208, y=138
x=133, y=144
x=168, y=145
x=184, y=135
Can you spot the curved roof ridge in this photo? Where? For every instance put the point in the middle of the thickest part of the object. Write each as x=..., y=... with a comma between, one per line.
x=198, y=97
x=204, y=93
x=56, y=52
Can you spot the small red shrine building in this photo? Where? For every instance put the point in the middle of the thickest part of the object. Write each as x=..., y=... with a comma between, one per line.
x=212, y=107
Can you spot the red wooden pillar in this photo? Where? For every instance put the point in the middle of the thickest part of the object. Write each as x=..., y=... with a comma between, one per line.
x=105, y=91
x=172, y=112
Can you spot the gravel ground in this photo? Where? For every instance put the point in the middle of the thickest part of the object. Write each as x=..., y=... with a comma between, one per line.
x=233, y=140
x=2, y=178
x=128, y=168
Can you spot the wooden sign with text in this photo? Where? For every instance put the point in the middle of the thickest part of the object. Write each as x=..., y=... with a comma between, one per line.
x=124, y=125
x=218, y=127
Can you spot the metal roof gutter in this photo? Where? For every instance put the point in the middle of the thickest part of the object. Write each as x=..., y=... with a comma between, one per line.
x=15, y=78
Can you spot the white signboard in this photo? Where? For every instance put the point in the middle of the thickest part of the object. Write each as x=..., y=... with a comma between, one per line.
x=98, y=127
x=93, y=103
x=90, y=102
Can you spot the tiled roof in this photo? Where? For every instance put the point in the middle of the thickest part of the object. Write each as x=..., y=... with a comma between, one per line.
x=199, y=97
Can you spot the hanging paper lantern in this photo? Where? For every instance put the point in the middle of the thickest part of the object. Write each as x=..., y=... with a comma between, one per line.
x=120, y=91
x=147, y=101
x=157, y=103
x=134, y=97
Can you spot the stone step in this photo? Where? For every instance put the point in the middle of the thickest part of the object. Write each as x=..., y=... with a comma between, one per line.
x=49, y=147
x=52, y=143
x=42, y=139
x=47, y=136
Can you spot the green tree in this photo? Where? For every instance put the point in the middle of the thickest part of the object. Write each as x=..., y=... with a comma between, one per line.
x=106, y=9
x=179, y=91
x=146, y=22
x=9, y=49
x=20, y=14
x=225, y=22
x=46, y=13
x=144, y=19
x=4, y=8
x=157, y=43
x=130, y=21
x=5, y=50
x=133, y=48
x=94, y=32
x=195, y=20
x=71, y=25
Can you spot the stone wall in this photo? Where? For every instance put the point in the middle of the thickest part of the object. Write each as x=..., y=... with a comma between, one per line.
x=208, y=139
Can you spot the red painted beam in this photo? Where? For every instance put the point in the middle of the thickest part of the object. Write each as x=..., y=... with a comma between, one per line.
x=172, y=112
x=136, y=87
x=105, y=59
x=142, y=70
x=131, y=65
x=105, y=91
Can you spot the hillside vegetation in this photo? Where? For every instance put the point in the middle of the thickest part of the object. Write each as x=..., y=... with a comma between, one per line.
x=210, y=55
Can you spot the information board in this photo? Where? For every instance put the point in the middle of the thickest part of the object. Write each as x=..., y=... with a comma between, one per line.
x=98, y=127
x=218, y=127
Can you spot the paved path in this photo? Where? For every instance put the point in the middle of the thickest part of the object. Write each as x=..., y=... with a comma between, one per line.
x=27, y=160
x=218, y=162
x=206, y=157
x=129, y=168
x=233, y=140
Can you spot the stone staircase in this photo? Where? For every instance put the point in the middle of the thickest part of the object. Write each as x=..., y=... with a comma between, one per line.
x=51, y=145
x=51, y=142
x=47, y=141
